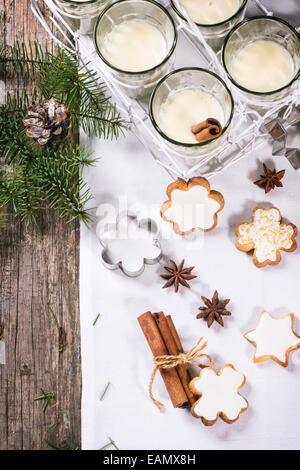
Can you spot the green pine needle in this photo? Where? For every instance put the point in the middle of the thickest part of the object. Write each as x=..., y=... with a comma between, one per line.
x=104, y=391
x=50, y=444
x=114, y=444
x=47, y=397
x=106, y=446
x=109, y=444
x=51, y=427
x=55, y=318
x=96, y=319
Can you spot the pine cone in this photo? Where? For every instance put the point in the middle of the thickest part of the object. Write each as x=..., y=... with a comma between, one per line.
x=47, y=122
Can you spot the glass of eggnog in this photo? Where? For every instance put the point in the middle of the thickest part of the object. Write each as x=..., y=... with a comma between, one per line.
x=213, y=17
x=81, y=14
x=261, y=56
x=184, y=98
x=136, y=40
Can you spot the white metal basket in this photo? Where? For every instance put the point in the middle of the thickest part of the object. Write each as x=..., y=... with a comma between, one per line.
x=247, y=131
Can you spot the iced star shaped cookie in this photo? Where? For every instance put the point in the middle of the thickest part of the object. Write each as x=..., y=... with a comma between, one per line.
x=266, y=235
x=274, y=338
x=219, y=395
x=192, y=205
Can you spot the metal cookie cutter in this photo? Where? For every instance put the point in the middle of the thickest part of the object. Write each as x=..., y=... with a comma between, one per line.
x=293, y=156
x=130, y=243
x=277, y=128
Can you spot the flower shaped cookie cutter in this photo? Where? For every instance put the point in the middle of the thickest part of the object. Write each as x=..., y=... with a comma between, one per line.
x=130, y=243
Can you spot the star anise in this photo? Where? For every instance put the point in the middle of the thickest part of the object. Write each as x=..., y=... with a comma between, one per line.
x=270, y=179
x=214, y=310
x=177, y=275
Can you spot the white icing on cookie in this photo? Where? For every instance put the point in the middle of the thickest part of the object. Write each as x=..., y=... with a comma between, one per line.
x=192, y=208
x=219, y=394
x=267, y=234
x=273, y=337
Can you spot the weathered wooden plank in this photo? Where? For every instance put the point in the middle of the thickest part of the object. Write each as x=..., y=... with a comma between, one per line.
x=38, y=272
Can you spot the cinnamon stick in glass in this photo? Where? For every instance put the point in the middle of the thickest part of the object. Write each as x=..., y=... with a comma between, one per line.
x=174, y=346
x=207, y=130
x=199, y=127
x=158, y=347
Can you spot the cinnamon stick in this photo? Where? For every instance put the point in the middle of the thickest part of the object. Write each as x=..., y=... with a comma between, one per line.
x=158, y=347
x=174, y=346
x=199, y=127
x=187, y=376
x=174, y=333
x=207, y=130
x=207, y=134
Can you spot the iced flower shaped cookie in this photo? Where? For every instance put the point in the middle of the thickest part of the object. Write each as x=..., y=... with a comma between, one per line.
x=219, y=395
x=266, y=236
x=192, y=205
x=274, y=338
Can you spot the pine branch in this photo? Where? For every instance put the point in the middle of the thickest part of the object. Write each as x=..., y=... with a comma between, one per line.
x=16, y=102
x=97, y=114
x=14, y=145
x=19, y=188
x=72, y=156
x=48, y=174
x=63, y=188
x=22, y=61
x=3, y=222
x=60, y=76
x=32, y=176
x=83, y=93
x=39, y=175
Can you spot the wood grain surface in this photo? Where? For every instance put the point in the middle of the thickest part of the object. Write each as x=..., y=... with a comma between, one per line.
x=38, y=273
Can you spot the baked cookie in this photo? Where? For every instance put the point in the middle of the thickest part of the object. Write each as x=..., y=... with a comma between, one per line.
x=219, y=395
x=192, y=205
x=274, y=338
x=266, y=236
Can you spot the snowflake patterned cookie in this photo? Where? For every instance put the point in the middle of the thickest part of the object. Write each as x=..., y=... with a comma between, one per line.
x=219, y=395
x=266, y=236
x=192, y=205
x=274, y=338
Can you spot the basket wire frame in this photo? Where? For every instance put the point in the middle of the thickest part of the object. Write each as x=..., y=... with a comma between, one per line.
x=246, y=133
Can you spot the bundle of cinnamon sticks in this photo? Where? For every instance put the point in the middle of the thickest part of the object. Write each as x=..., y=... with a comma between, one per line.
x=207, y=130
x=163, y=339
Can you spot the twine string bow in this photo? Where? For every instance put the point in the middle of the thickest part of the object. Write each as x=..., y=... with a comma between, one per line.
x=170, y=361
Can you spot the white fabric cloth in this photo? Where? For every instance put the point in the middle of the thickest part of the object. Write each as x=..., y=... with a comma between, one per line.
x=115, y=349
